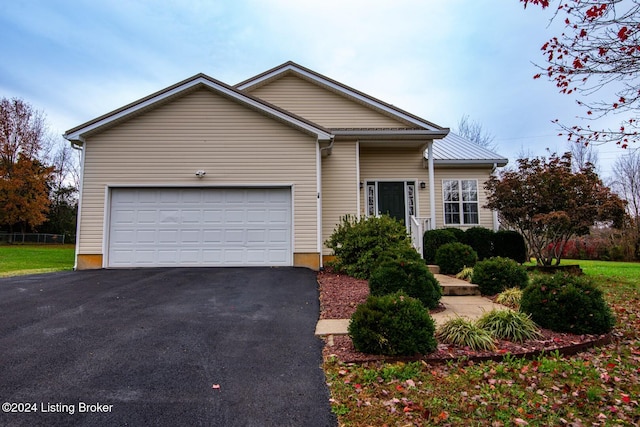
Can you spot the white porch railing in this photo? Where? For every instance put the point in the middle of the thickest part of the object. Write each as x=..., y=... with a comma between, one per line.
x=417, y=227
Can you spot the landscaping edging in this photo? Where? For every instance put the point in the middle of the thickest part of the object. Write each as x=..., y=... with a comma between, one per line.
x=569, y=350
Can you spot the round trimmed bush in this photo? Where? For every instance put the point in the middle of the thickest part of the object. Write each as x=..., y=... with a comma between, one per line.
x=392, y=325
x=412, y=277
x=510, y=244
x=566, y=303
x=453, y=257
x=481, y=240
x=457, y=232
x=432, y=240
x=494, y=275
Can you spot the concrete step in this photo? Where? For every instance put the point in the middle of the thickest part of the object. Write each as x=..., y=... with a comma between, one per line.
x=460, y=290
x=456, y=287
x=434, y=269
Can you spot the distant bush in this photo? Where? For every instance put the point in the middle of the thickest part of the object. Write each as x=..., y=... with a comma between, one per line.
x=432, y=240
x=412, y=277
x=481, y=240
x=359, y=244
x=494, y=275
x=453, y=257
x=510, y=244
x=565, y=303
x=393, y=325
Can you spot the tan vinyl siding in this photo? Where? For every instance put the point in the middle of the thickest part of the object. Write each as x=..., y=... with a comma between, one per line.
x=201, y=130
x=395, y=164
x=339, y=187
x=481, y=175
x=322, y=106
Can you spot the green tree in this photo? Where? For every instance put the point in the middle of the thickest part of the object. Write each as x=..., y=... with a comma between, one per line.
x=548, y=203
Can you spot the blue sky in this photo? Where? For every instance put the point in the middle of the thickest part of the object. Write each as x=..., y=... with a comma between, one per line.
x=440, y=60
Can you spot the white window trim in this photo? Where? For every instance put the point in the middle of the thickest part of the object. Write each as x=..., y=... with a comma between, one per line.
x=460, y=203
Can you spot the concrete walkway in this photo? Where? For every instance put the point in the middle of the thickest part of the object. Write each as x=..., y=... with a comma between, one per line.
x=469, y=306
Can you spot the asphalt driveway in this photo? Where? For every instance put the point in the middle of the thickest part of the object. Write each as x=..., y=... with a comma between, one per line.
x=188, y=346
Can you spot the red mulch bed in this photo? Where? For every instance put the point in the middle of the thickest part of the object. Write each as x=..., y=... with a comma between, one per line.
x=341, y=294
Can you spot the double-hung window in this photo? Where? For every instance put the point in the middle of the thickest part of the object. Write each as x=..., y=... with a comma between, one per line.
x=460, y=201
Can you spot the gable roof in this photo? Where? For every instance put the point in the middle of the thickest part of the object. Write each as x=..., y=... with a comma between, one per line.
x=414, y=122
x=198, y=81
x=457, y=150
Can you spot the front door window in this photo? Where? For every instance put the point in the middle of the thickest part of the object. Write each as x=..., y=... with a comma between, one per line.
x=393, y=198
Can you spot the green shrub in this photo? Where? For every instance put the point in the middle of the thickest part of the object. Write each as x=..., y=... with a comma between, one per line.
x=510, y=244
x=432, y=240
x=412, y=277
x=565, y=303
x=481, y=240
x=494, y=275
x=358, y=244
x=457, y=232
x=393, y=325
x=453, y=257
x=509, y=325
x=462, y=332
x=510, y=297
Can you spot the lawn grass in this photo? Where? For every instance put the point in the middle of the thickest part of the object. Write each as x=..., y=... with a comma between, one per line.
x=598, y=387
x=16, y=260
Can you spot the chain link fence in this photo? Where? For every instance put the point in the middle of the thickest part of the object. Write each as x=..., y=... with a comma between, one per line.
x=37, y=238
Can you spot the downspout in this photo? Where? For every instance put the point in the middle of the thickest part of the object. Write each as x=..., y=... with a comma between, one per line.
x=319, y=152
x=432, y=186
x=79, y=145
x=319, y=204
x=358, y=190
x=496, y=224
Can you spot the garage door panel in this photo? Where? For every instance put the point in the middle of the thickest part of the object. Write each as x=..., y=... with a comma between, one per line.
x=200, y=226
x=257, y=237
x=212, y=256
x=233, y=256
x=146, y=237
x=212, y=216
x=167, y=236
x=168, y=256
x=257, y=216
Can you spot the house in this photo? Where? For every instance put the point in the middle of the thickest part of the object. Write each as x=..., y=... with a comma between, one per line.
x=207, y=174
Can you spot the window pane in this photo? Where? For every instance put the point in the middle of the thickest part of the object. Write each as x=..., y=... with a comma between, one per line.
x=450, y=189
x=469, y=191
x=451, y=213
x=470, y=213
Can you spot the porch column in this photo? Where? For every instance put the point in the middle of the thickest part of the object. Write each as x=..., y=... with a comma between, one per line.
x=432, y=185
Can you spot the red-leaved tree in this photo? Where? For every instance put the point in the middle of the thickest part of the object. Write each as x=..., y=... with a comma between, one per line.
x=599, y=48
x=548, y=203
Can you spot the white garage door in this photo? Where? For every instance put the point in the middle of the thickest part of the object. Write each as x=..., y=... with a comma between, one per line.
x=200, y=227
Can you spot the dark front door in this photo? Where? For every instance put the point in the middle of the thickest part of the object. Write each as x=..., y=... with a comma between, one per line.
x=391, y=200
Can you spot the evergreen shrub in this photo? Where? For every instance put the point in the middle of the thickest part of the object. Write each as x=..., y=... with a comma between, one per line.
x=392, y=325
